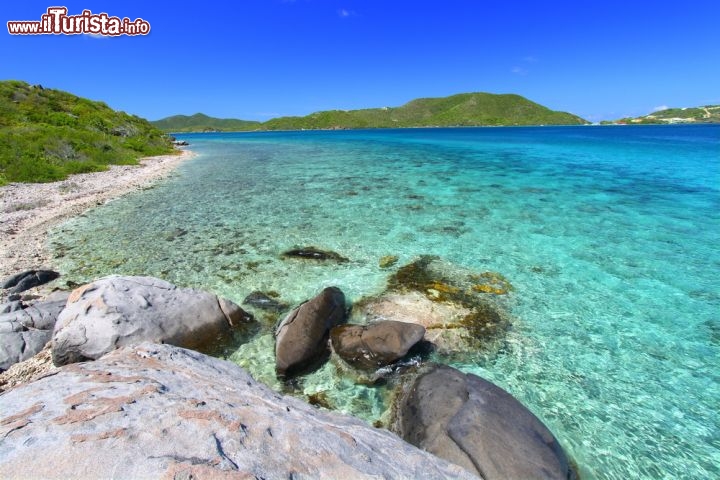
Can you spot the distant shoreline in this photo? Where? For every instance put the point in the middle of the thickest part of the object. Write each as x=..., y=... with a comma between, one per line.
x=29, y=210
x=446, y=127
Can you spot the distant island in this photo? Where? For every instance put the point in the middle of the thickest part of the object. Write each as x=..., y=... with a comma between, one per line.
x=465, y=109
x=202, y=123
x=47, y=134
x=704, y=114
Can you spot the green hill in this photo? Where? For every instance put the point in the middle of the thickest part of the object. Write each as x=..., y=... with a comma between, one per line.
x=466, y=109
x=202, y=123
x=705, y=114
x=47, y=134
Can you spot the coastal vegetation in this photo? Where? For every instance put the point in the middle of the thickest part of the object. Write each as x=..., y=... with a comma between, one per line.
x=47, y=134
x=465, y=109
x=704, y=114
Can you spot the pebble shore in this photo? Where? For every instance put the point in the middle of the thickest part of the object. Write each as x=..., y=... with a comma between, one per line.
x=29, y=210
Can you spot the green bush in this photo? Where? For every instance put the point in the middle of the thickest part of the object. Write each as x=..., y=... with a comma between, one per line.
x=47, y=134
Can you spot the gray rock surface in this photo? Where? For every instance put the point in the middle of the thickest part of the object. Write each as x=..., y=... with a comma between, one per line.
x=479, y=426
x=116, y=311
x=11, y=306
x=158, y=411
x=376, y=345
x=25, y=331
x=301, y=339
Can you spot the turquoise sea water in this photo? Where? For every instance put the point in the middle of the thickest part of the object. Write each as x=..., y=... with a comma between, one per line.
x=609, y=234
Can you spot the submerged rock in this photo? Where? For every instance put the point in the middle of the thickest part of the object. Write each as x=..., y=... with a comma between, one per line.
x=175, y=233
x=26, y=330
x=116, y=311
x=26, y=280
x=265, y=302
x=452, y=328
x=388, y=261
x=443, y=281
x=376, y=345
x=443, y=298
x=479, y=426
x=302, y=337
x=313, y=253
x=159, y=411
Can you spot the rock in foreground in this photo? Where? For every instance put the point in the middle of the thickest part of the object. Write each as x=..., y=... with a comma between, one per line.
x=375, y=345
x=25, y=330
x=117, y=311
x=302, y=337
x=158, y=411
x=476, y=424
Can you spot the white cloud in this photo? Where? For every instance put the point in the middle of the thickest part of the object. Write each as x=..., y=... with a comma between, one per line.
x=519, y=71
x=660, y=108
x=530, y=59
x=346, y=13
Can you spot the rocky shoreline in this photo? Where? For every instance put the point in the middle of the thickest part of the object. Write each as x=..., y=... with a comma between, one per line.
x=122, y=382
x=29, y=210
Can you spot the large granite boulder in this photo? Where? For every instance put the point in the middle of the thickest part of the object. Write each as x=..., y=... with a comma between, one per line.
x=26, y=280
x=116, y=311
x=479, y=426
x=26, y=329
x=158, y=411
x=301, y=339
x=376, y=345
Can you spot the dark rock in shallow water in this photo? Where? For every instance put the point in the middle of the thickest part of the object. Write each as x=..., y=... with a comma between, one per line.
x=301, y=339
x=116, y=311
x=26, y=280
x=312, y=253
x=264, y=302
x=25, y=331
x=376, y=345
x=159, y=411
x=479, y=426
x=175, y=233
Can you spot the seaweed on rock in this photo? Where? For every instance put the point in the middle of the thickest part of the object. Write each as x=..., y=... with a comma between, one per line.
x=471, y=310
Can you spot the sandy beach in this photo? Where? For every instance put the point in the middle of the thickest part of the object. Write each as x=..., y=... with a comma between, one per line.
x=29, y=210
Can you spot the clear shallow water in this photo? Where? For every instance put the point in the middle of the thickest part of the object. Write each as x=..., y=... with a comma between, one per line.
x=609, y=234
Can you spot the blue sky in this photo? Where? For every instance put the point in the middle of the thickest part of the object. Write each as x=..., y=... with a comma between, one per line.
x=256, y=59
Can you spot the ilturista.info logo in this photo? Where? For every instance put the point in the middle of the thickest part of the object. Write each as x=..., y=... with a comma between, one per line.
x=56, y=21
